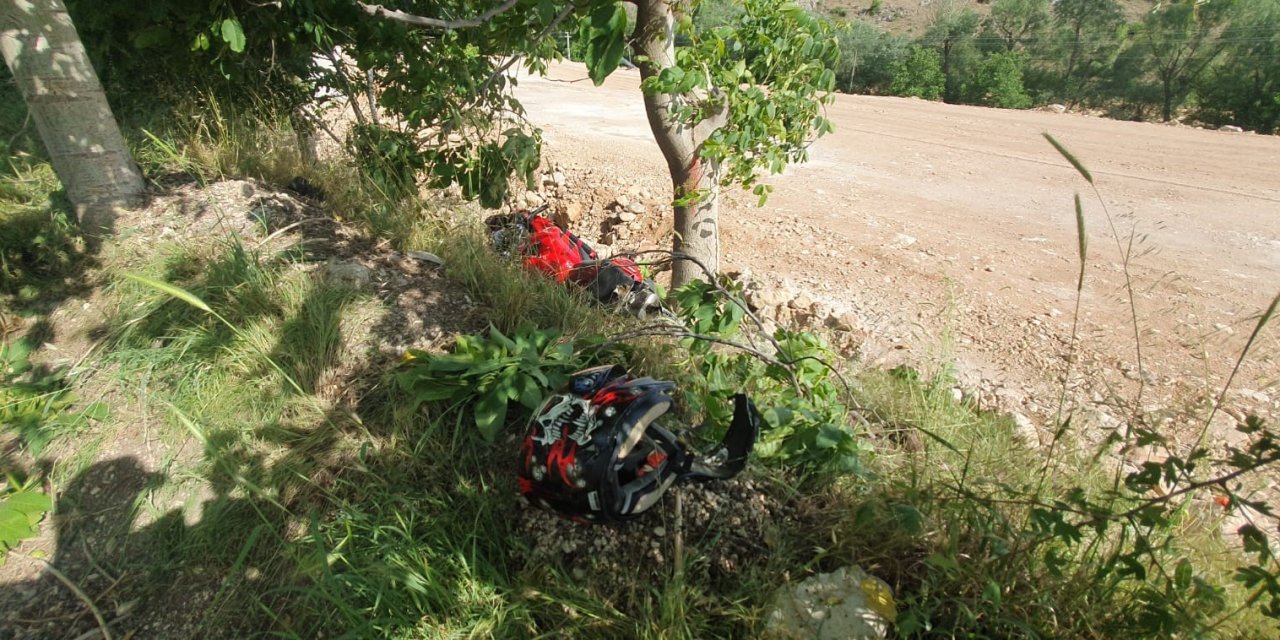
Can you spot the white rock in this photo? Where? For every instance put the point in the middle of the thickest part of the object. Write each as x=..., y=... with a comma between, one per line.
x=1025, y=429
x=902, y=241
x=1256, y=396
x=763, y=297
x=426, y=256
x=626, y=216
x=347, y=274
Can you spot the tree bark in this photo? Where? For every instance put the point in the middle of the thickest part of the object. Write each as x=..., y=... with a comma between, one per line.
x=43, y=50
x=695, y=182
x=697, y=231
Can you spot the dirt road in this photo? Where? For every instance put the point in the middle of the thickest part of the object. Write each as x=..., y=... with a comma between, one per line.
x=950, y=231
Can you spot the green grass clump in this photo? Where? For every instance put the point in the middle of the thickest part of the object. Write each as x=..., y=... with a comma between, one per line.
x=40, y=245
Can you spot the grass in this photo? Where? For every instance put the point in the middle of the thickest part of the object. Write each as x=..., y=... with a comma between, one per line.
x=295, y=494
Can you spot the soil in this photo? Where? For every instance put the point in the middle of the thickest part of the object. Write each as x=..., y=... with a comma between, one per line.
x=950, y=233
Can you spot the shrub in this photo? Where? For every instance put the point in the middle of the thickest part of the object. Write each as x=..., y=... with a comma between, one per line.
x=919, y=75
x=997, y=82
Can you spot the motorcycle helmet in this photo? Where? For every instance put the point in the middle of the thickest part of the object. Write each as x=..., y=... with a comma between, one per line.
x=595, y=452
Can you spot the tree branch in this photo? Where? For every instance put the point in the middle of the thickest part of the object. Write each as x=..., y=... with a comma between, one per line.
x=379, y=11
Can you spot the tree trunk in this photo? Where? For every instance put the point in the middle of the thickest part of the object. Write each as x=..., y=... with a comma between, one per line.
x=62, y=92
x=948, y=86
x=696, y=224
x=1167, y=108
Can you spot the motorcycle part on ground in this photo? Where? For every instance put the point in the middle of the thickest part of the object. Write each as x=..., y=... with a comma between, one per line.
x=594, y=452
x=551, y=249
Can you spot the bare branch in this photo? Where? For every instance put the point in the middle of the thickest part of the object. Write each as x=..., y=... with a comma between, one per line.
x=379, y=11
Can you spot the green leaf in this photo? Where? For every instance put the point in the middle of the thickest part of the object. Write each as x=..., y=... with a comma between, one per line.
x=32, y=503
x=991, y=593
x=608, y=38
x=435, y=393
x=491, y=414
x=13, y=528
x=1182, y=574
x=830, y=437
x=233, y=35
x=498, y=337
x=20, y=513
x=946, y=563
x=909, y=517
x=201, y=43
x=530, y=392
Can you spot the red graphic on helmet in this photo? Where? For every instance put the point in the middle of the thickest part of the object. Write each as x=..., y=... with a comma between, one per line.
x=560, y=459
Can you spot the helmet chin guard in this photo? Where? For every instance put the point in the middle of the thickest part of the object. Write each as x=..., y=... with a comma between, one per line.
x=594, y=451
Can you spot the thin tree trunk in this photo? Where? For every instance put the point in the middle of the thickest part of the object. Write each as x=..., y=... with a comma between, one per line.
x=697, y=224
x=43, y=50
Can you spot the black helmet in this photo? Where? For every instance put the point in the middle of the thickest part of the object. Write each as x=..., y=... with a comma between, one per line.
x=594, y=451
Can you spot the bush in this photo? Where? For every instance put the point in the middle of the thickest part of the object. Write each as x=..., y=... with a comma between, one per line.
x=997, y=82
x=919, y=75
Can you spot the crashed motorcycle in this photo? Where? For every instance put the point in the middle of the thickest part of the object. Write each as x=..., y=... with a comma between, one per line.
x=551, y=249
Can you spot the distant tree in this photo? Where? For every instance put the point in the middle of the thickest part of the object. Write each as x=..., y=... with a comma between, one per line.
x=952, y=34
x=1244, y=89
x=919, y=74
x=1017, y=21
x=868, y=55
x=1128, y=89
x=43, y=50
x=1181, y=39
x=1085, y=35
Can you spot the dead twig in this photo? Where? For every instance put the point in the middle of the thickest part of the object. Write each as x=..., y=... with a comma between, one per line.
x=88, y=602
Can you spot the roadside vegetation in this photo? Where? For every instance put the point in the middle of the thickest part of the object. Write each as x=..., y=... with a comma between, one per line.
x=225, y=446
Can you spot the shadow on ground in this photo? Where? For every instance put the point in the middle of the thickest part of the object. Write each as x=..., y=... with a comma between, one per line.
x=322, y=524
